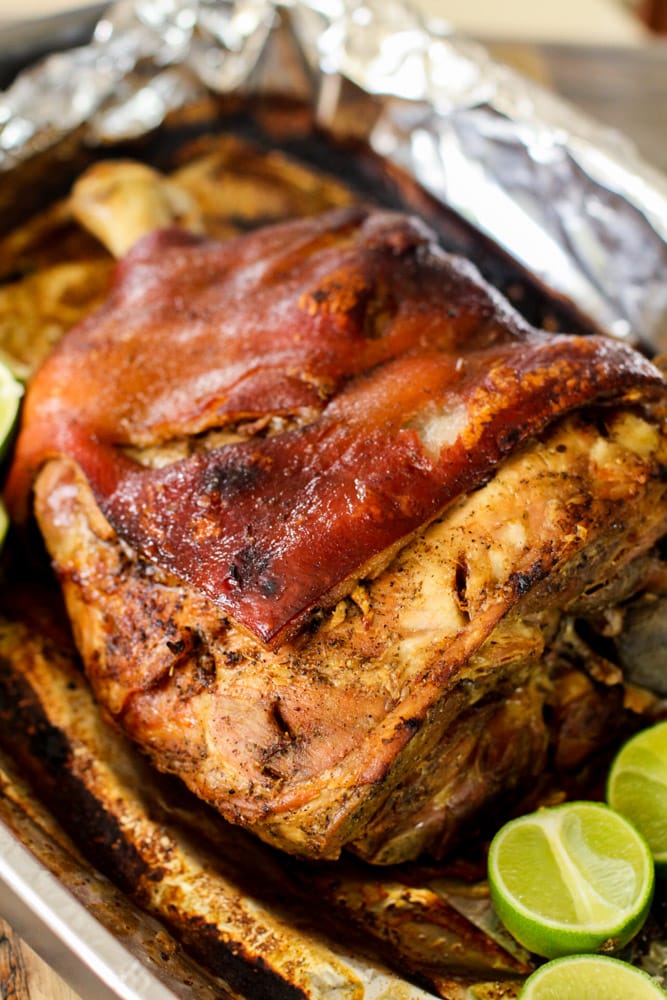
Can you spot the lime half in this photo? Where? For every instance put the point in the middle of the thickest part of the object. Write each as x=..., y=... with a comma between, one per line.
x=571, y=879
x=637, y=787
x=11, y=392
x=595, y=977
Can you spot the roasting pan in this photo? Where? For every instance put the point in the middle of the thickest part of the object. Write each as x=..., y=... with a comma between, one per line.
x=104, y=946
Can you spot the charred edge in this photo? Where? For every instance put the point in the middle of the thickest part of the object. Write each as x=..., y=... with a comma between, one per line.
x=249, y=975
x=508, y=439
x=601, y=424
x=205, y=672
x=193, y=669
x=176, y=647
x=461, y=586
x=411, y=725
x=378, y=318
x=227, y=480
x=45, y=755
x=286, y=739
x=283, y=726
x=249, y=566
x=521, y=583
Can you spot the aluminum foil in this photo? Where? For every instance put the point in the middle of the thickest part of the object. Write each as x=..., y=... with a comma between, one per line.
x=570, y=199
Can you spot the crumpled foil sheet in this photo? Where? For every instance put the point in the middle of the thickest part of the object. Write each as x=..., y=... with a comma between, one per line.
x=568, y=198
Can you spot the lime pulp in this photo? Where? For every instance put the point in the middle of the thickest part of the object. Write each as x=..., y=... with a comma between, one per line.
x=11, y=391
x=637, y=788
x=571, y=879
x=595, y=977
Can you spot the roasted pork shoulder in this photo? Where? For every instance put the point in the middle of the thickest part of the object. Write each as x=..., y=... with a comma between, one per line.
x=338, y=531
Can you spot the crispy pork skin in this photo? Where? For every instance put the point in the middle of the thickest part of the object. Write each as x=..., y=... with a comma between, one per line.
x=327, y=516
x=397, y=378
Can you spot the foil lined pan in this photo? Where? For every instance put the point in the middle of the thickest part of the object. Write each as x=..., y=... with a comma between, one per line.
x=569, y=199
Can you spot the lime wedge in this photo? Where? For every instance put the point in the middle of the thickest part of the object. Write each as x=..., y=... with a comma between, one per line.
x=571, y=879
x=595, y=977
x=637, y=787
x=11, y=392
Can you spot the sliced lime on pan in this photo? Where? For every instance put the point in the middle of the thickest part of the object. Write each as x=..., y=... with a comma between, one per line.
x=11, y=392
x=574, y=878
x=590, y=977
x=637, y=787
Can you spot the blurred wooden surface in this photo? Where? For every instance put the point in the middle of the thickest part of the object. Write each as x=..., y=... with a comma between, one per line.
x=624, y=87
x=23, y=974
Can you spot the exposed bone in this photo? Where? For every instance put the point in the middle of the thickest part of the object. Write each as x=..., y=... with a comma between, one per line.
x=121, y=201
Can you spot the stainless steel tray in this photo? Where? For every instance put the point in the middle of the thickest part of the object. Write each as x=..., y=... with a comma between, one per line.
x=65, y=933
